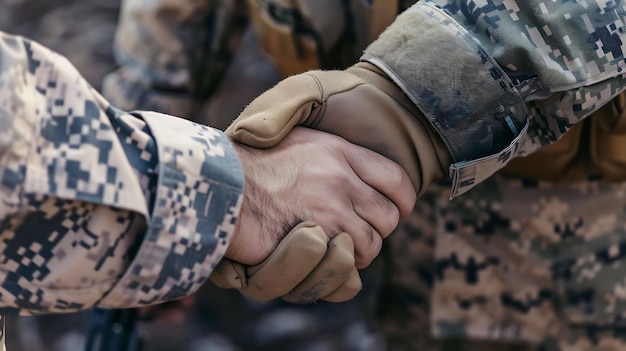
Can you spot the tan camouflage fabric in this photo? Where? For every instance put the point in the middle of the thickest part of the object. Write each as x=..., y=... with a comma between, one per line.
x=514, y=264
x=101, y=207
x=528, y=84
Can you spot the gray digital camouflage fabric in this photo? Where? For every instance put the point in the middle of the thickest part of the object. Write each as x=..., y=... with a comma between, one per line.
x=500, y=79
x=101, y=207
x=513, y=264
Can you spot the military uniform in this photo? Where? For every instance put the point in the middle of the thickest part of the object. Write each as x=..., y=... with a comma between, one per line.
x=531, y=257
x=101, y=207
x=495, y=80
x=173, y=53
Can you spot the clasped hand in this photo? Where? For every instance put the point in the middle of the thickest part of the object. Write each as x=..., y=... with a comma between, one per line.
x=334, y=200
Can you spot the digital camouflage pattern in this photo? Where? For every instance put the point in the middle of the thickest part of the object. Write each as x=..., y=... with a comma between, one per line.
x=515, y=264
x=512, y=264
x=102, y=207
x=537, y=68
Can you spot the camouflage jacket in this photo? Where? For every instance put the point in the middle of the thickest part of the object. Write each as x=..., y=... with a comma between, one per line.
x=100, y=207
x=501, y=79
x=122, y=220
x=497, y=80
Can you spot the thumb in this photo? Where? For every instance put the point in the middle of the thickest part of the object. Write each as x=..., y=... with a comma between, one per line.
x=229, y=274
x=297, y=100
x=294, y=258
x=272, y=115
x=296, y=255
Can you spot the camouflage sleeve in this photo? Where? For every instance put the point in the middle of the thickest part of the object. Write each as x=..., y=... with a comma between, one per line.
x=500, y=79
x=172, y=54
x=99, y=207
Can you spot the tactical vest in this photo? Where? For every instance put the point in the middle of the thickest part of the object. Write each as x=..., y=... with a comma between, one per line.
x=301, y=35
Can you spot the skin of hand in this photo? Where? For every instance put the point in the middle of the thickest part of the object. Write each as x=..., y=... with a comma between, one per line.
x=317, y=176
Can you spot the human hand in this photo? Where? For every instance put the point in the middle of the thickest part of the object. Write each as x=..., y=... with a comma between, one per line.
x=311, y=175
x=360, y=104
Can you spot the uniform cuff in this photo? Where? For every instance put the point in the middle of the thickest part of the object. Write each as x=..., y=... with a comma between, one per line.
x=197, y=202
x=465, y=95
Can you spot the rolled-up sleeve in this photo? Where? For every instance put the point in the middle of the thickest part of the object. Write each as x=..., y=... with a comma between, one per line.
x=498, y=80
x=100, y=207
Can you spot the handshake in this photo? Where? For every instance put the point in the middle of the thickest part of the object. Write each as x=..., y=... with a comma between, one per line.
x=333, y=186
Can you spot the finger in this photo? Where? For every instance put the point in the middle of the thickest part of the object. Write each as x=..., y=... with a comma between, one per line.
x=367, y=241
x=229, y=275
x=332, y=271
x=300, y=251
x=375, y=208
x=349, y=289
x=382, y=174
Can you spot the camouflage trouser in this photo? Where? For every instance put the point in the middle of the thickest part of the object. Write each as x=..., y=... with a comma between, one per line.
x=512, y=265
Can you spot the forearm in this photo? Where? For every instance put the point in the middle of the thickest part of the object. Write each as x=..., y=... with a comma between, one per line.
x=488, y=82
x=102, y=207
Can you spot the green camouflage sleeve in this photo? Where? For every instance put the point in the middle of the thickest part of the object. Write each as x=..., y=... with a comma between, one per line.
x=500, y=79
x=172, y=54
x=100, y=207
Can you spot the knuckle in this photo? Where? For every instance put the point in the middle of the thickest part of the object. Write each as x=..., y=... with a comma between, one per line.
x=396, y=175
x=337, y=178
x=364, y=258
x=387, y=213
x=334, y=211
x=391, y=221
x=398, y=180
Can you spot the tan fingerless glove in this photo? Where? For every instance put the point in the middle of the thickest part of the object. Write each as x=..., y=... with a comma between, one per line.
x=359, y=104
x=304, y=267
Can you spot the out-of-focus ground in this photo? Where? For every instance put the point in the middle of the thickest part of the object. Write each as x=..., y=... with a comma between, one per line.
x=219, y=320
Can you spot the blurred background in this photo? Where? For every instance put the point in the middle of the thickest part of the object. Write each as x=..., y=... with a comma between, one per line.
x=212, y=319
x=81, y=30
